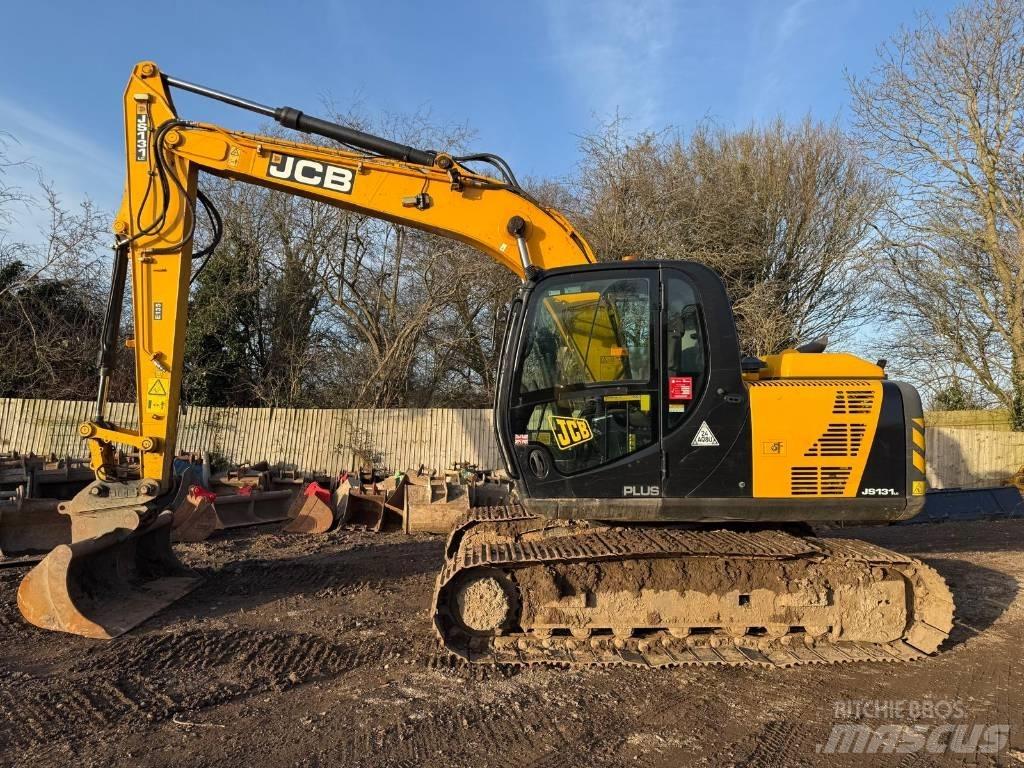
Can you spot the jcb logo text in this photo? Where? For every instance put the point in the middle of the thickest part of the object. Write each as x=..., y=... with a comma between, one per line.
x=569, y=432
x=313, y=173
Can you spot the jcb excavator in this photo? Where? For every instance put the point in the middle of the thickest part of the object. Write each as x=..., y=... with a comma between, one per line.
x=666, y=486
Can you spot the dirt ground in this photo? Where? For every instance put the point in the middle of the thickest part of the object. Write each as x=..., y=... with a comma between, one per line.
x=318, y=652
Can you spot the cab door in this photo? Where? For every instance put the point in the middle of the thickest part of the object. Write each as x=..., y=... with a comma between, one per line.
x=706, y=436
x=583, y=402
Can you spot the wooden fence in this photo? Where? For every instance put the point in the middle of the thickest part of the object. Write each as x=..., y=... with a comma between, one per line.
x=960, y=457
x=308, y=439
x=328, y=440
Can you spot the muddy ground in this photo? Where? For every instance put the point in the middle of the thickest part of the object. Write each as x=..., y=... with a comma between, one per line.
x=318, y=652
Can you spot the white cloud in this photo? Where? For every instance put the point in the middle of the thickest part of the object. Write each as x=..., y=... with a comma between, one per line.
x=790, y=21
x=43, y=147
x=768, y=46
x=614, y=54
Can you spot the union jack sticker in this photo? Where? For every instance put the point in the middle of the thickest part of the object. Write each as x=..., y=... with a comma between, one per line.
x=522, y=439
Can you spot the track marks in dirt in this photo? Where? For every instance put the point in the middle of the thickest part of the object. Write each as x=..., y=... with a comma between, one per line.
x=10, y=618
x=775, y=745
x=516, y=728
x=156, y=676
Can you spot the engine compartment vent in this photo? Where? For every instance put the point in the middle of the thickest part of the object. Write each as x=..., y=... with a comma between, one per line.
x=819, y=481
x=839, y=440
x=851, y=401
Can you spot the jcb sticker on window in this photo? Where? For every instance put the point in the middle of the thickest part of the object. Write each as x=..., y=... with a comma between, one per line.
x=569, y=432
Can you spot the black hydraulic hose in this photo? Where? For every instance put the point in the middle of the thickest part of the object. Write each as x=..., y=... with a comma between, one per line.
x=107, y=358
x=495, y=160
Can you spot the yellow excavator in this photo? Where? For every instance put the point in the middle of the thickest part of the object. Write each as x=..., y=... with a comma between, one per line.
x=665, y=486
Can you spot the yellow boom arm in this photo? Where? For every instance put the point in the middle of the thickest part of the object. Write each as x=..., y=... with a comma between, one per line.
x=156, y=220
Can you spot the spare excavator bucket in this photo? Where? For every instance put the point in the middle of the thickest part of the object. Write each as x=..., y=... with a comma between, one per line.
x=31, y=527
x=195, y=517
x=252, y=507
x=340, y=496
x=394, y=503
x=101, y=587
x=365, y=510
x=432, y=505
x=311, y=511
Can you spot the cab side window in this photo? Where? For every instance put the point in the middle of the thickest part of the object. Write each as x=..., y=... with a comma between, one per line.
x=685, y=349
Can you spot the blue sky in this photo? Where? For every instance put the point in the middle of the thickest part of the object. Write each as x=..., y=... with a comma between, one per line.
x=528, y=77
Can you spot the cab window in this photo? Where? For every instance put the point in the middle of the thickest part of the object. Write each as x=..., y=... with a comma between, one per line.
x=685, y=355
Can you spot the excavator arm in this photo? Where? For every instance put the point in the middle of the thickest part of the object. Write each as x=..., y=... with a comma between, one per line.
x=118, y=568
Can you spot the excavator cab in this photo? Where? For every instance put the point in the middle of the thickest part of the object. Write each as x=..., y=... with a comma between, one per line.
x=609, y=372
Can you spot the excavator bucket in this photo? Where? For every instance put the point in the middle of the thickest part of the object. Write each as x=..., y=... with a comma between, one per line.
x=311, y=511
x=101, y=587
x=60, y=479
x=31, y=527
x=394, y=502
x=195, y=517
x=364, y=510
x=340, y=496
x=432, y=505
x=253, y=508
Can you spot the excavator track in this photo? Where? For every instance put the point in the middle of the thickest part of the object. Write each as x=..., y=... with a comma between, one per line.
x=519, y=590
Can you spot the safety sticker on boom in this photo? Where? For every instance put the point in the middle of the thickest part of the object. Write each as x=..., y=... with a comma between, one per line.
x=570, y=431
x=157, y=395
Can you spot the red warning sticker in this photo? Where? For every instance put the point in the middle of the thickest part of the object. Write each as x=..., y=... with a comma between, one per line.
x=680, y=387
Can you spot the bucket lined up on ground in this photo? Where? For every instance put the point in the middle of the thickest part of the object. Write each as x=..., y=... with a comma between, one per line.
x=111, y=571
x=31, y=490
x=415, y=501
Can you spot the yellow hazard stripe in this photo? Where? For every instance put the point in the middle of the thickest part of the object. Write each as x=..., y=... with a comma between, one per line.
x=919, y=464
x=918, y=423
x=918, y=438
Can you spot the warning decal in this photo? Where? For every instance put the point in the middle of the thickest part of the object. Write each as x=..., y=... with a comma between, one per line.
x=156, y=396
x=704, y=438
x=680, y=388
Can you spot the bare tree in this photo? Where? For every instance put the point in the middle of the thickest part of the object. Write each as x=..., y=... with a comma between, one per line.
x=782, y=213
x=307, y=304
x=942, y=117
x=52, y=297
x=9, y=194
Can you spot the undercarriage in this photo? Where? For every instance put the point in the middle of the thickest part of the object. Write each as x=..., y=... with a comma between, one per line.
x=516, y=589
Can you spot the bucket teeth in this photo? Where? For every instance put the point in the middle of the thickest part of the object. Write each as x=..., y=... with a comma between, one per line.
x=102, y=587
